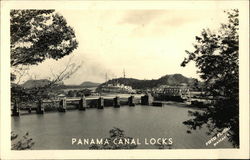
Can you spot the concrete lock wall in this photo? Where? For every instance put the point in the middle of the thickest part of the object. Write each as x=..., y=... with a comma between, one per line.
x=40, y=108
x=65, y=104
x=100, y=103
x=146, y=100
x=82, y=103
x=116, y=102
x=62, y=105
x=131, y=101
x=15, y=110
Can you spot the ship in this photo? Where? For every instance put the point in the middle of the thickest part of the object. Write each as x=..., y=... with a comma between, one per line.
x=117, y=88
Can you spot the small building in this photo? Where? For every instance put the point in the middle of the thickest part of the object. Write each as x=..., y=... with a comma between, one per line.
x=61, y=95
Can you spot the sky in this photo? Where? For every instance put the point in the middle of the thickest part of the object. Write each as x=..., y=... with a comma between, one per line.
x=147, y=44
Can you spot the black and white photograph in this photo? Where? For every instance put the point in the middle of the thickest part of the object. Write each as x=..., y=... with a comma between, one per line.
x=145, y=79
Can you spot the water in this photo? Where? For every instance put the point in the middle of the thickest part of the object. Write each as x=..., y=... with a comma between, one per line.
x=56, y=130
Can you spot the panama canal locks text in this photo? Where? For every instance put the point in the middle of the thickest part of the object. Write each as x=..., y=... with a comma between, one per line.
x=122, y=141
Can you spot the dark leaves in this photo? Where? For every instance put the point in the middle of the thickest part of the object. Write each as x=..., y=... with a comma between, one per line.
x=216, y=56
x=39, y=34
x=115, y=134
x=23, y=143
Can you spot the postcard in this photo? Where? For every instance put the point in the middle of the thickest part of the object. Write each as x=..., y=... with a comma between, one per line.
x=124, y=79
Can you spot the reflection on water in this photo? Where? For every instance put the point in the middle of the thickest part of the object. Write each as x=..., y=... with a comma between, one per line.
x=56, y=130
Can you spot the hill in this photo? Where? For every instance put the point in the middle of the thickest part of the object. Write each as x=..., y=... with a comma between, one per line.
x=35, y=83
x=89, y=84
x=43, y=82
x=40, y=83
x=171, y=80
x=175, y=79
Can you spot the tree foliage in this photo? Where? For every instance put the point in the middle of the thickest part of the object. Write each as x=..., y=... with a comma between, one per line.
x=39, y=34
x=171, y=80
x=22, y=143
x=115, y=133
x=216, y=55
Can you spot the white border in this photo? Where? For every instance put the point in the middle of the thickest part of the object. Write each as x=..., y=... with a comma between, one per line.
x=243, y=152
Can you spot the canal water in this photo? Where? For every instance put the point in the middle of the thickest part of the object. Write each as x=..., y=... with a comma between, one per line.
x=56, y=130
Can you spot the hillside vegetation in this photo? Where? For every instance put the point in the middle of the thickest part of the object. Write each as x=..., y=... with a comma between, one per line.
x=173, y=79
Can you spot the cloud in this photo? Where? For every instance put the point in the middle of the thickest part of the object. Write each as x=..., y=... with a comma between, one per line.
x=141, y=17
x=158, y=22
x=146, y=43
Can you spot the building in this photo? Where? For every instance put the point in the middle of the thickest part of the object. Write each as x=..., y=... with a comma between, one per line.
x=179, y=92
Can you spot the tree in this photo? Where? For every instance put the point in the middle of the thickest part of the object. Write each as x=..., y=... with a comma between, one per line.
x=39, y=34
x=22, y=143
x=119, y=135
x=216, y=55
x=35, y=36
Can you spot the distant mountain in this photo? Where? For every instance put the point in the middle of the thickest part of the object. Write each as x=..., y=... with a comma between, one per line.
x=171, y=80
x=35, y=83
x=60, y=85
x=88, y=84
x=39, y=83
